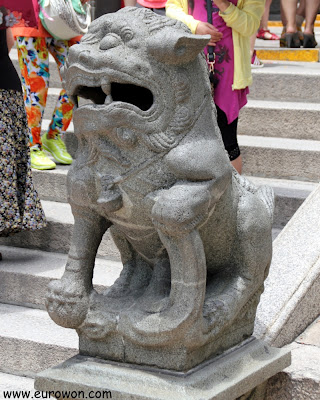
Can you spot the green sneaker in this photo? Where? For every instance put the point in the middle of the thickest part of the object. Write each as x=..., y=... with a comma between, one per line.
x=57, y=149
x=39, y=160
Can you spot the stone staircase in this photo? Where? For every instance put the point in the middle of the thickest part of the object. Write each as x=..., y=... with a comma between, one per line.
x=271, y=50
x=280, y=145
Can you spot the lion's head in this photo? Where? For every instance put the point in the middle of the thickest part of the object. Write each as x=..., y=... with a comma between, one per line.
x=142, y=73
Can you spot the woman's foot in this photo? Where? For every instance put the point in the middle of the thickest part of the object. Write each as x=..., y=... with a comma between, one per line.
x=57, y=149
x=39, y=160
x=255, y=61
x=265, y=34
x=292, y=40
x=309, y=41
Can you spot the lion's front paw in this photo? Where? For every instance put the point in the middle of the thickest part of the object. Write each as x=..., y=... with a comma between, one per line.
x=180, y=209
x=67, y=303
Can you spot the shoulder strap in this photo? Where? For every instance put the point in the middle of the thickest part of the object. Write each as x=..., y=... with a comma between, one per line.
x=211, y=55
x=209, y=18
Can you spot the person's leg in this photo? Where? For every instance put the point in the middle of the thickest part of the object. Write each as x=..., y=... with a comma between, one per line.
x=255, y=61
x=237, y=164
x=291, y=37
x=265, y=17
x=311, y=10
x=289, y=9
x=62, y=114
x=34, y=66
x=301, y=13
x=229, y=138
x=264, y=32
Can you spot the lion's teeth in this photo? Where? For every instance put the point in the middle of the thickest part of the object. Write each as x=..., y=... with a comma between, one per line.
x=106, y=88
x=108, y=100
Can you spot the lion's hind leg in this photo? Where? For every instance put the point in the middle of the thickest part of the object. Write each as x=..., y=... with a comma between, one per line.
x=242, y=280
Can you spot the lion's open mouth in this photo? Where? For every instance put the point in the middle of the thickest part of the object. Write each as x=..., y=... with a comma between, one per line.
x=115, y=92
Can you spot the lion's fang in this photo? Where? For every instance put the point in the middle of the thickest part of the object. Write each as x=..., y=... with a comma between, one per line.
x=108, y=100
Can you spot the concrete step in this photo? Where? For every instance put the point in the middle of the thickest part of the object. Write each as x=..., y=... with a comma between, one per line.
x=271, y=50
x=280, y=119
x=285, y=54
x=25, y=274
x=280, y=158
x=283, y=158
x=51, y=185
x=289, y=196
x=292, y=81
x=301, y=380
x=286, y=81
x=14, y=383
x=56, y=237
x=31, y=342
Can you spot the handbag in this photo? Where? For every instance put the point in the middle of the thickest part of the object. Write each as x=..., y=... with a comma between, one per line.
x=65, y=19
x=211, y=55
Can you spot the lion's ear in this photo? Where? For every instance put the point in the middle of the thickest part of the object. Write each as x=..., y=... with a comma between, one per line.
x=173, y=47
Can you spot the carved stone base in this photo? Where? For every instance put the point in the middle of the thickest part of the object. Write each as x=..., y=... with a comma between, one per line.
x=226, y=377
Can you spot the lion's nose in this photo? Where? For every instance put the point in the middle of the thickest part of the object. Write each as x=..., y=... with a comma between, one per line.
x=73, y=53
x=84, y=56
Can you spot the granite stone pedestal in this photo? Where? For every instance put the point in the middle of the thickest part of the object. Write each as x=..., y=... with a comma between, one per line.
x=226, y=377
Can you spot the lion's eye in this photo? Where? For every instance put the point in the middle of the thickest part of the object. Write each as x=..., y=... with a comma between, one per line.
x=109, y=41
x=126, y=34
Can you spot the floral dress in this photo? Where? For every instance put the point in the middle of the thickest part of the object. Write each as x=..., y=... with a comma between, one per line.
x=20, y=207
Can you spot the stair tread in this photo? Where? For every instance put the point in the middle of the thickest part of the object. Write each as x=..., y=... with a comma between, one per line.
x=288, y=68
x=279, y=143
x=29, y=324
x=286, y=187
x=51, y=265
x=9, y=382
x=281, y=105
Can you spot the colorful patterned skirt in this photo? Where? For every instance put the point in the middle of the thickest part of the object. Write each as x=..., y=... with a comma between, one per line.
x=20, y=207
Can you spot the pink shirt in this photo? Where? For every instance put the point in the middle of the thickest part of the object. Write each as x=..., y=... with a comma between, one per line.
x=228, y=100
x=152, y=3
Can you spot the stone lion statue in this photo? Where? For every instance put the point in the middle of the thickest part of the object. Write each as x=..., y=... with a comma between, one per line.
x=194, y=236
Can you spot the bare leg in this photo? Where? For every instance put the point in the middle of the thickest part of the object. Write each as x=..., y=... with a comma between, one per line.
x=283, y=16
x=252, y=44
x=130, y=3
x=264, y=32
x=312, y=7
x=237, y=164
x=301, y=11
x=291, y=37
x=265, y=16
x=289, y=9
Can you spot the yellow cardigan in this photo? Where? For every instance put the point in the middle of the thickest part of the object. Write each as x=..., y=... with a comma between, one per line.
x=244, y=19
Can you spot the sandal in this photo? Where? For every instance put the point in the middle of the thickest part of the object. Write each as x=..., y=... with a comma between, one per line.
x=292, y=40
x=255, y=61
x=309, y=41
x=265, y=34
